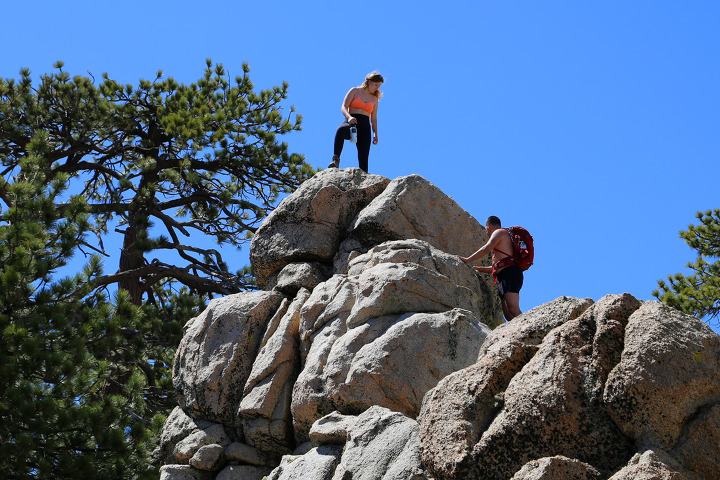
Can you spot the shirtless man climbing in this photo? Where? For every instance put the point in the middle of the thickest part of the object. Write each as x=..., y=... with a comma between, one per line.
x=508, y=276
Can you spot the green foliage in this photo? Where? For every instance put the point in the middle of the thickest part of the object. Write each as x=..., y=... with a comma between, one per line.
x=697, y=294
x=60, y=347
x=172, y=170
x=166, y=165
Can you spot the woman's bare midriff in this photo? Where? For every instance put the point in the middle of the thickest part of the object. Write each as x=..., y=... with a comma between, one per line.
x=358, y=111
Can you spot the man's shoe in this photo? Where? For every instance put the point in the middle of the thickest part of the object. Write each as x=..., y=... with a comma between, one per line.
x=335, y=162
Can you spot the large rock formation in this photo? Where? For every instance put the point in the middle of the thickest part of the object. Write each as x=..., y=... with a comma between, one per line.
x=370, y=354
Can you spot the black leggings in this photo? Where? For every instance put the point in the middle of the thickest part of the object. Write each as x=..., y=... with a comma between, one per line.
x=364, y=137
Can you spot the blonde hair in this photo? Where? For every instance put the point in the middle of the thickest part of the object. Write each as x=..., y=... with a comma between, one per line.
x=373, y=77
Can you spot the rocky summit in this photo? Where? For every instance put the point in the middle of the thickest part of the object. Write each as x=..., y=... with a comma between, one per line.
x=372, y=352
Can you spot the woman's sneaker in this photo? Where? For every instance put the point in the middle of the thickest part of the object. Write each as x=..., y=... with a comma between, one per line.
x=335, y=162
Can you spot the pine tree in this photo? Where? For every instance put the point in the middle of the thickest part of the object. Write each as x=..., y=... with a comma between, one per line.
x=59, y=348
x=85, y=373
x=697, y=294
x=168, y=163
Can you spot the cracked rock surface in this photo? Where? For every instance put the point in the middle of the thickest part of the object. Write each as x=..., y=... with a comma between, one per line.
x=373, y=352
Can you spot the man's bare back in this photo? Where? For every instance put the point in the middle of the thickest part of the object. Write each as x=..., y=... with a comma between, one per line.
x=503, y=246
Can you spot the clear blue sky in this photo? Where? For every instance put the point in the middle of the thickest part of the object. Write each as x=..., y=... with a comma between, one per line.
x=593, y=124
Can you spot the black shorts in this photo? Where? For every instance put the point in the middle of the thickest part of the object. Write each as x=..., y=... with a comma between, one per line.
x=509, y=280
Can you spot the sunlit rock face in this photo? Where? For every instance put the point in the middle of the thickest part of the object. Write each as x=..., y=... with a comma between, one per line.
x=373, y=352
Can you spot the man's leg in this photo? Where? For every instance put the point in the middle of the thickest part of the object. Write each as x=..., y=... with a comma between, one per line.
x=506, y=313
x=511, y=305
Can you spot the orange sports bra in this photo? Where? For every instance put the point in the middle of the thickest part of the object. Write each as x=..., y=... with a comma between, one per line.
x=358, y=103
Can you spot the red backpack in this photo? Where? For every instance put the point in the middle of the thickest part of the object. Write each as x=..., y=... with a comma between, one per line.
x=524, y=250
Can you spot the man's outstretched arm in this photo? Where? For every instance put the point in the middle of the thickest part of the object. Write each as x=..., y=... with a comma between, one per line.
x=485, y=249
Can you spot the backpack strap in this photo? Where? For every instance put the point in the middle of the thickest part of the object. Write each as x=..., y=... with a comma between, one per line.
x=502, y=263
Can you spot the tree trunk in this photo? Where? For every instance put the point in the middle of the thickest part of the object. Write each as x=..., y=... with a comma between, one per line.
x=130, y=259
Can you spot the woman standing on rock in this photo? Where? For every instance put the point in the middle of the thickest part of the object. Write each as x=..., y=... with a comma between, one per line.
x=360, y=108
